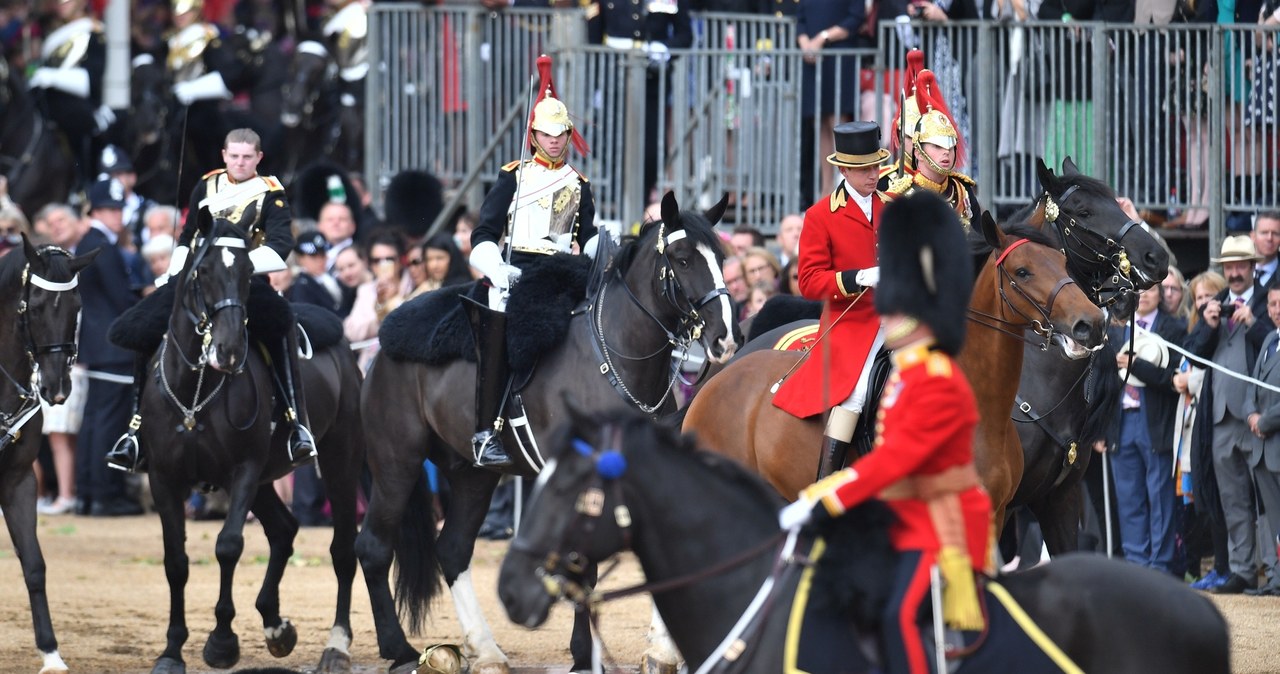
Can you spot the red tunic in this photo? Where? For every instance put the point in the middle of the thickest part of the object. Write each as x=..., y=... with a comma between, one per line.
x=836, y=237
x=925, y=426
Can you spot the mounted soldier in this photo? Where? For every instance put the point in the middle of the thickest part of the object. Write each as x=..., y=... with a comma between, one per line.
x=904, y=124
x=68, y=83
x=257, y=205
x=200, y=65
x=541, y=206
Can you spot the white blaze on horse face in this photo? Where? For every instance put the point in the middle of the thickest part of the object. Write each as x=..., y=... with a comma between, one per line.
x=228, y=258
x=727, y=345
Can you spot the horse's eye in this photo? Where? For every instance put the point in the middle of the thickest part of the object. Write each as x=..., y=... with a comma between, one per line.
x=1022, y=273
x=684, y=262
x=1086, y=214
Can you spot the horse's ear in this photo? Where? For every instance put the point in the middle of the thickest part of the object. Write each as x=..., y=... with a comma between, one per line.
x=990, y=230
x=670, y=210
x=1048, y=180
x=715, y=213
x=1069, y=167
x=32, y=255
x=81, y=261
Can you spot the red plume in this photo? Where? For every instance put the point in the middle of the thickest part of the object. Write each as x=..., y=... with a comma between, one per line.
x=915, y=63
x=929, y=97
x=546, y=87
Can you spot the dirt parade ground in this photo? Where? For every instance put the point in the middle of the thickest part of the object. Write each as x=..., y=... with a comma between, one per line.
x=110, y=605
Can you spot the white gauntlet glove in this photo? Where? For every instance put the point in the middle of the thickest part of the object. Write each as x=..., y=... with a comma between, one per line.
x=177, y=260
x=795, y=515
x=868, y=278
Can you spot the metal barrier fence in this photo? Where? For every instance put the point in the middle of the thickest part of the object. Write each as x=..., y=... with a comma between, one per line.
x=1175, y=117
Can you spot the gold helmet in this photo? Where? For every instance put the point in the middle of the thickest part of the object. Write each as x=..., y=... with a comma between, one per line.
x=183, y=6
x=935, y=127
x=551, y=117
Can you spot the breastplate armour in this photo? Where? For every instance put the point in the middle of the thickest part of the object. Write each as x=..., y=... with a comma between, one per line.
x=347, y=33
x=544, y=214
x=239, y=203
x=186, y=51
x=66, y=47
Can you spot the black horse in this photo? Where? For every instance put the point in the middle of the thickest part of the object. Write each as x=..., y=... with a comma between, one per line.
x=39, y=314
x=661, y=288
x=208, y=420
x=145, y=131
x=320, y=120
x=34, y=154
x=706, y=534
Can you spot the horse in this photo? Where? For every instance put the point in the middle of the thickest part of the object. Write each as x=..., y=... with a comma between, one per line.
x=725, y=579
x=39, y=312
x=208, y=420
x=34, y=154
x=320, y=119
x=145, y=131
x=663, y=287
x=1027, y=288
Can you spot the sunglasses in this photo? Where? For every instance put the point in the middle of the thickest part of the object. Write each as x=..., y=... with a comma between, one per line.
x=414, y=261
x=380, y=260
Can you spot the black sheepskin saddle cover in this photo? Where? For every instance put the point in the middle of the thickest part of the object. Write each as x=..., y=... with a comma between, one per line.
x=433, y=328
x=143, y=325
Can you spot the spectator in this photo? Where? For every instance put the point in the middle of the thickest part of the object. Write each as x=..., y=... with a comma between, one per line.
x=760, y=266
x=157, y=252
x=437, y=263
x=825, y=24
x=338, y=227
x=788, y=238
x=1173, y=296
x=1143, y=436
x=351, y=266
x=60, y=225
x=760, y=293
x=1233, y=341
x=379, y=297
x=160, y=221
x=1266, y=238
x=1262, y=412
x=744, y=237
x=13, y=224
x=313, y=285
x=736, y=283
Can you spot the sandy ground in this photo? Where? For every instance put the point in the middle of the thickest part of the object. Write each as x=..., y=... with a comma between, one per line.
x=109, y=600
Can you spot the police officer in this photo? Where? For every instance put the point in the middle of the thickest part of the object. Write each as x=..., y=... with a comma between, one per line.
x=543, y=206
x=115, y=165
x=230, y=193
x=68, y=82
x=656, y=27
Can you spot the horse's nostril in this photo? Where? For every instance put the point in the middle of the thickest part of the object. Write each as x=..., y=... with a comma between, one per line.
x=1083, y=331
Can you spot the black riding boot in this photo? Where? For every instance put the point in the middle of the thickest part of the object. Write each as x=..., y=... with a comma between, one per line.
x=836, y=442
x=492, y=381
x=302, y=445
x=126, y=454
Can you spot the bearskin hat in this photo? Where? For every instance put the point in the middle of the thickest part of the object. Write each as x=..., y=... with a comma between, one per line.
x=925, y=269
x=309, y=191
x=414, y=199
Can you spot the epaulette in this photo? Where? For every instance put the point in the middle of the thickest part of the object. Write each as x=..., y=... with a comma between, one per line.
x=939, y=365
x=886, y=169
x=964, y=179
x=839, y=198
x=512, y=166
x=900, y=184
x=885, y=197
x=212, y=173
x=273, y=183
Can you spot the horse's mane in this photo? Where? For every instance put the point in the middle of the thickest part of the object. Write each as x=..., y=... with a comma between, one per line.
x=1030, y=233
x=57, y=266
x=1084, y=184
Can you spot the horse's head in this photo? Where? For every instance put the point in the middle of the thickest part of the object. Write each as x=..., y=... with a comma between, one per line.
x=1105, y=247
x=1036, y=290
x=310, y=68
x=685, y=277
x=51, y=315
x=150, y=98
x=214, y=292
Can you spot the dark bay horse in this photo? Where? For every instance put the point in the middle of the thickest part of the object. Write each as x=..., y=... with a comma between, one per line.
x=39, y=314
x=705, y=532
x=664, y=286
x=34, y=154
x=1028, y=287
x=319, y=121
x=208, y=420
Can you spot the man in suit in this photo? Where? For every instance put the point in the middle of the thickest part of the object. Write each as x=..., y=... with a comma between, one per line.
x=838, y=266
x=1143, y=440
x=1266, y=238
x=1231, y=331
x=1262, y=412
x=105, y=293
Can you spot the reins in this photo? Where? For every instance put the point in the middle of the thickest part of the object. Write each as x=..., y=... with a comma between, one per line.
x=1042, y=326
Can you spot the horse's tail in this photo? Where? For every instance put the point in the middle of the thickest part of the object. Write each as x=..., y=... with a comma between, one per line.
x=417, y=569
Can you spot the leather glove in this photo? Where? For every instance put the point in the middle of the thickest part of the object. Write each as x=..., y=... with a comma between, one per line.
x=795, y=515
x=104, y=117
x=868, y=278
x=506, y=277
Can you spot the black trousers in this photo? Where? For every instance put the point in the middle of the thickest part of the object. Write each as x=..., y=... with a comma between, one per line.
x=106, y=416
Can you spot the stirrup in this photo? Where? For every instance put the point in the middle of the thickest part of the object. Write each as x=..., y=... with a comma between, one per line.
x=302, y=446
x=126, y=454
x=489, y=453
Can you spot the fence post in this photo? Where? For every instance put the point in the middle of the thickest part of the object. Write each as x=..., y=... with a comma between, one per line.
x=373, y=106
x=635, y=64
x=986, y=110
x=1101, y=67
x=1217, y=141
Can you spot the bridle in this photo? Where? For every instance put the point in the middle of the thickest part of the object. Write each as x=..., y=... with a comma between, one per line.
x=1042, y=324
x=1095, y=257
x=28, y=398
x=563, y=564
x=688, y=327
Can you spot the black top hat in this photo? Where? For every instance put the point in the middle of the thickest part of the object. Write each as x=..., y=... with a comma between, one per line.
x=114, y=160
x=311, y=242
x=106, y=194
x=858, y=145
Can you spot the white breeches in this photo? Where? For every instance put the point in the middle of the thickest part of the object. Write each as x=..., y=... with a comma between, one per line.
x=858, y=398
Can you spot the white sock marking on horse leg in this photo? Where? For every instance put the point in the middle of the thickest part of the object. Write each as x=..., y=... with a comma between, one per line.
x=726, y=307
x=273, y=633
x=478, y=643
x=338, y=640
x=53, y=663
x=661, y=648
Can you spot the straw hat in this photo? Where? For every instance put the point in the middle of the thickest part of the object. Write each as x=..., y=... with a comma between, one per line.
x=1149, y=347
x=1237, y=249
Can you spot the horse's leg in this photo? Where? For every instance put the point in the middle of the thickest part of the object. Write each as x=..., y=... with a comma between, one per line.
x=18, y=501
x=472, y=490
x=169, y=495
x=1059, y=515
x=341, y=461
x=222, y=648
x=580, y=642
x=281, y=529
x=662, y=656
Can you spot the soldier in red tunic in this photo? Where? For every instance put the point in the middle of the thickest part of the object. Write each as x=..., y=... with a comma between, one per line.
x=837, y=264
x=922, y=464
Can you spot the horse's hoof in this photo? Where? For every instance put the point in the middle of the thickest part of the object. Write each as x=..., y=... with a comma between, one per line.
x=650, y=665
x=334, y=661
x=222, y=652
x=490, y=668
x=169, y=666
x=282, y=639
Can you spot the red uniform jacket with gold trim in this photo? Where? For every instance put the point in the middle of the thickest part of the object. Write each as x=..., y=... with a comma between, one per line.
x=925, y=426
x=836, y=238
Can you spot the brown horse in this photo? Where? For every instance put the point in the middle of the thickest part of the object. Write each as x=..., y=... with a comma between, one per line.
x=1023, y=285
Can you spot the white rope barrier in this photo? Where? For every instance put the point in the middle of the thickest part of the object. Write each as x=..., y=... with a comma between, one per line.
x=1205, y=363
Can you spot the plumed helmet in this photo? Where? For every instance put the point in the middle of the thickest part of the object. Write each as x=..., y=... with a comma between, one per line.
x=935, y=125
x=413, y=200
x=550, y=116
x=908, y=111
x=926, y=271
x=184, y=6
x=311, y=189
